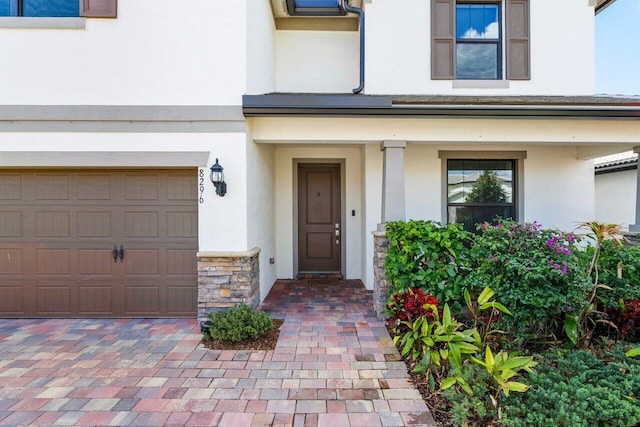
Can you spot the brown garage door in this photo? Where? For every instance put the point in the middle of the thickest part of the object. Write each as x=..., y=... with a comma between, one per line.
x=98, y=243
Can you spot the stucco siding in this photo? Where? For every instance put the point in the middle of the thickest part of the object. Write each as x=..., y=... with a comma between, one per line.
x=615, y=197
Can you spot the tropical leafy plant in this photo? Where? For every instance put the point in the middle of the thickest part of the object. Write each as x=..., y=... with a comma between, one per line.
x=427, y=255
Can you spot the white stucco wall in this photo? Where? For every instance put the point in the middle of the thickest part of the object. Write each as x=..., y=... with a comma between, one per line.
x=398, y=53
x=398, y=50
x=317, y=61
x=616, y=197
x=261, y=223
x=156, y=52
x=222, y=224
x=260, y=48
x=285, y=221
x=558, y=188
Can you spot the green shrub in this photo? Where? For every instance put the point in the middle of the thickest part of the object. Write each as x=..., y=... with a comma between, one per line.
x=238, y=323
x=619, y=270
x=535, y=271
x=575, y=388
x=427, y=255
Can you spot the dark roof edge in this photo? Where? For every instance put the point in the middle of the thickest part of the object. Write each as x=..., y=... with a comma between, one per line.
x=312, y=105
x=600, y=170
x=603, y=5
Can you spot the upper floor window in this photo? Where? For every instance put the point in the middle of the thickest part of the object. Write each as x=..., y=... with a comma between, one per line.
x=478, y=46
x=59, y=8
x=480, y=40
x=314, y=7
x=40, y=8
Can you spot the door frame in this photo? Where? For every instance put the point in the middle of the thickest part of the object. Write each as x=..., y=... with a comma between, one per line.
x=343, y=214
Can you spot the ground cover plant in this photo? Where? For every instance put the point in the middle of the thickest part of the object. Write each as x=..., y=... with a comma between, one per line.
x=516, y=324
x=241, y=328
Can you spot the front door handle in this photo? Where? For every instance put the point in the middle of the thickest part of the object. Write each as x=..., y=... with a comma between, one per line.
x=114, y=253
x=121, y=253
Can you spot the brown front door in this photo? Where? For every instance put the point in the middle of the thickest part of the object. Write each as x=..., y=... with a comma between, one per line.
x=319, y=226
x=61, y=234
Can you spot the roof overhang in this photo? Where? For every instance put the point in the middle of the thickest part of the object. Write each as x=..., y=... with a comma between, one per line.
x=603, y=4
x=531, y=107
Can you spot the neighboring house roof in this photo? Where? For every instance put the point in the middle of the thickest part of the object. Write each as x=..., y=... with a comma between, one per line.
x=590, y=107
x=616, y=162
x=603, y=4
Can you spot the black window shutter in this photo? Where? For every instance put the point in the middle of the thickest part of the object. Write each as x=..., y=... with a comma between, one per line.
x=442, y=39
x=518, y=45
x=99, y=8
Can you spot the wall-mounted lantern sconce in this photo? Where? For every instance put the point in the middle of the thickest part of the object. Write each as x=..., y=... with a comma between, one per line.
x=217, y=178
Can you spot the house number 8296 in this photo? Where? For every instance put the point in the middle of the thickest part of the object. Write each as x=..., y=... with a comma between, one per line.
x=201, y=186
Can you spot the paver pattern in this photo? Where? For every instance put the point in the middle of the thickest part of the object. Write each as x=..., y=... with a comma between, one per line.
x=334, y=365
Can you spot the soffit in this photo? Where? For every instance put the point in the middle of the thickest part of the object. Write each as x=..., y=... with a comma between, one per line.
x=284, y=21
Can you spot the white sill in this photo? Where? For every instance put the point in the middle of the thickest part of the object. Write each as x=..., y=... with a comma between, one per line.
x=480, y=84
x=42, y=23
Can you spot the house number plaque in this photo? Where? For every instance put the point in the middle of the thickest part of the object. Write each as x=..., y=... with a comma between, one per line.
x=201, y=186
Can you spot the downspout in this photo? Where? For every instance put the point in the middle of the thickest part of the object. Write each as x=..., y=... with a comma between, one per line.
x=344, y=4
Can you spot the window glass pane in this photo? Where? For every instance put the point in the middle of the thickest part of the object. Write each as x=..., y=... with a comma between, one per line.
x=53, y=8
x=469, y=216
x=477, y=21
x=480, y=181
x=317, y=3
x=5, y=7
x=476, y=60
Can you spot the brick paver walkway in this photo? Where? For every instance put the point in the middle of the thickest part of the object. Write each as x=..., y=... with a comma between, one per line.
x=334, y=365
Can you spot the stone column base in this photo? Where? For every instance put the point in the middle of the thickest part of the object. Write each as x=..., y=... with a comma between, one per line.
x=226, y=279
x=380, y=284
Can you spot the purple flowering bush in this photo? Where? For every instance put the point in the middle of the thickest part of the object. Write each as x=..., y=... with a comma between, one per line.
x=535, y=271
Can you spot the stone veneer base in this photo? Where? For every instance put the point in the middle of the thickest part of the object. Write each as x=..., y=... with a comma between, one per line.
x=226, y=279
x=380, y=284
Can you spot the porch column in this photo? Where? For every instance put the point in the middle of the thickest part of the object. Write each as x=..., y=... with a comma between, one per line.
x=636, y=227
x=393, y=199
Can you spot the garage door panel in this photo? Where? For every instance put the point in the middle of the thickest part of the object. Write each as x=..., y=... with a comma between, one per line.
x=181, y=262
x=182, y=224
x=181, y=299
x=141, y=224
x=181, y=188
x=11, y=262
x=11, y=299
x=94, y=187
x=94, y=224
x=95, y=300
x=143, y=299
x=52, y=224
x=142, y=262
x=10, y=224
x=57, y=234
x=95, y=262
x=10, y=187
x=141, y=187
x=52, y=187
x=54, y=299
x=53, y=262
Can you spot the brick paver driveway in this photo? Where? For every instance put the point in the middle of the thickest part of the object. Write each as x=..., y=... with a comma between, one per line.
x=334, y=365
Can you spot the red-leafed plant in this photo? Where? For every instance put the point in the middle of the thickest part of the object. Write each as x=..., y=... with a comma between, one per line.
x=627, y=318
x=409, y=305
